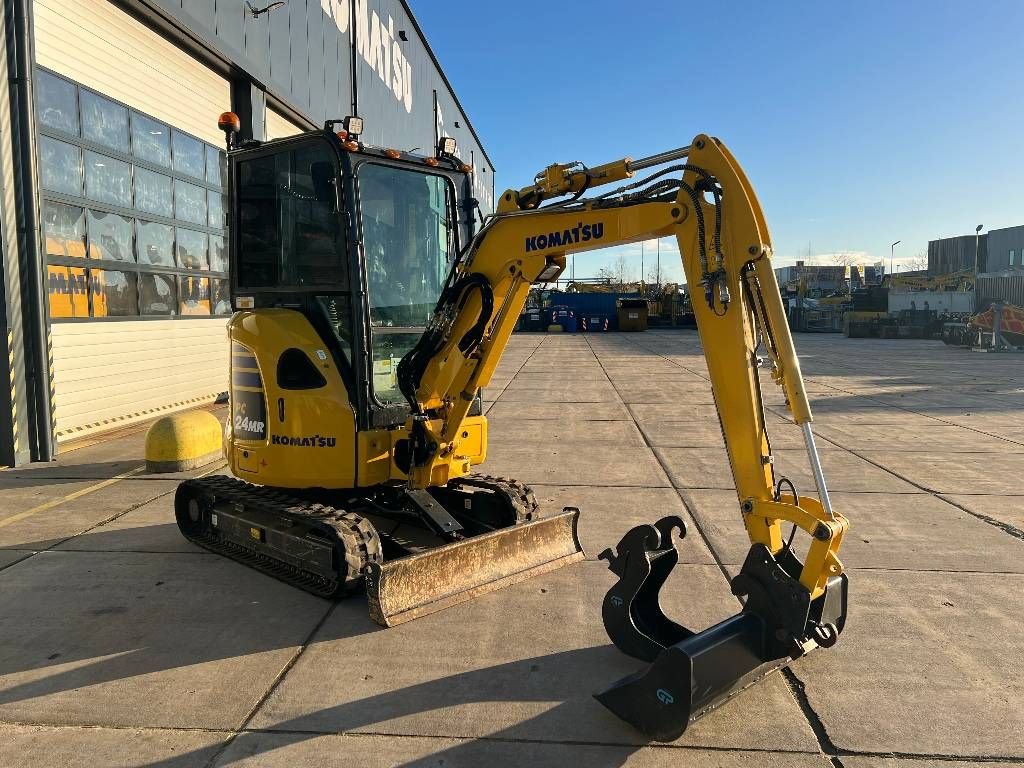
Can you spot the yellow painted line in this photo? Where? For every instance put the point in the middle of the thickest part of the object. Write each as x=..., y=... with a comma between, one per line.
x=69, y=497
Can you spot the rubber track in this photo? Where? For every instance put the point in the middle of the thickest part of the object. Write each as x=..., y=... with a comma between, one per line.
x=519, y=494
x=355, y=535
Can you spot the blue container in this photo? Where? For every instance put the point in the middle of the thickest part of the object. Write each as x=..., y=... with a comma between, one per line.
x=590, y=322
x=563, y=316
x=533, y=320
x=591, y=305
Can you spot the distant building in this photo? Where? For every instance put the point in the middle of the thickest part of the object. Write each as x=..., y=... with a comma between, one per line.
x=1005, y=249
x=952, y=254
x=817, y=279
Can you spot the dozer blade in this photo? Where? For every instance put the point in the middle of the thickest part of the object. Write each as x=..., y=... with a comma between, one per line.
x=694, y=672
x=414, y=586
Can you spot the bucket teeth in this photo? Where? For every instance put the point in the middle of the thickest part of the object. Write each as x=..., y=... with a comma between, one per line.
x=694, y=672
x=411, y=587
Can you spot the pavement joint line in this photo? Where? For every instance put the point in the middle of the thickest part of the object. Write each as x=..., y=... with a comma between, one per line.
x=203, y=553
x=816, y=380
x=665, y=471
x=911, y=410
x=517, y=371
x=840, y=751
x=278, y=679
x=883, y=569
x=110, y=519
x=997, y=524
x=512, y=740
x=112, y=727
x=799, y=691
x=65, y=478
x=70, y=497
x=1003, y=526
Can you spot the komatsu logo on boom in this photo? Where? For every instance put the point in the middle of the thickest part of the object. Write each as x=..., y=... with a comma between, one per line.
x=581, y=233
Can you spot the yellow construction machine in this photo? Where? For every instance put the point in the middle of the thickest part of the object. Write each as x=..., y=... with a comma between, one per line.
x=370, y=311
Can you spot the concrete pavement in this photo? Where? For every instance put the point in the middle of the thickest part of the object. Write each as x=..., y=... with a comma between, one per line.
x=123, y=645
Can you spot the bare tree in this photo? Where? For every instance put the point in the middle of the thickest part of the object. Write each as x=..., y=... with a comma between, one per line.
x=844, y=259
x=916, y=264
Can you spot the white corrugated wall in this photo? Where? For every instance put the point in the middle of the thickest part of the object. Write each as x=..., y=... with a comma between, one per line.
x=105, y=49
x=112, y=373
x=279, y=126
x=109, y=373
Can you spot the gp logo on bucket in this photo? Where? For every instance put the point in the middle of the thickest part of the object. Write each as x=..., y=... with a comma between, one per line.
x=581, y=233
x=664, y=696
x=616, y=601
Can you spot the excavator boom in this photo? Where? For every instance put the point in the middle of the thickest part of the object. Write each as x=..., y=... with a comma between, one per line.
x=702, y=197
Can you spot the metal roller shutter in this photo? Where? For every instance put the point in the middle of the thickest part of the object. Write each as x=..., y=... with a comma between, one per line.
x=109, y=373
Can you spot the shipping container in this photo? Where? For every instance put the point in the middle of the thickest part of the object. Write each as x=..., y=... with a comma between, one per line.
x=950, y=302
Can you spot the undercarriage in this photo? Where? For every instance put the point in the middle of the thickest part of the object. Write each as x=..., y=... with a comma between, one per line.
x=414, y=552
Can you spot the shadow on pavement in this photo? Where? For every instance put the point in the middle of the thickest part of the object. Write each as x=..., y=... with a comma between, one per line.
x=54, y=473
x=519, y=681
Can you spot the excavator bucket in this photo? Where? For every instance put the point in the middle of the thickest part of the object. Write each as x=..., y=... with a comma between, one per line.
x=694, y=672
x=410, y=587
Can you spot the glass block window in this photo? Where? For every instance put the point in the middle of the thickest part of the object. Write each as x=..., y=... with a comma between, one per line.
x=114, y=293
x=60, y=166
x=151, y=140
x=132, y=210
x=103, y=121
x=157, y=294
x=56, y=103
x=189, y=155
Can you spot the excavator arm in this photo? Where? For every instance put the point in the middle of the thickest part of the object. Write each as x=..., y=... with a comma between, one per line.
x=701, y=196
x=726, y=250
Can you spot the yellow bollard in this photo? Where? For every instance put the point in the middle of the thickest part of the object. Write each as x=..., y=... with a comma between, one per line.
x=183, y=441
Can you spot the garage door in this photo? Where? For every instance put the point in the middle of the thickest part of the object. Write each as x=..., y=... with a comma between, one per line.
x=132, y=209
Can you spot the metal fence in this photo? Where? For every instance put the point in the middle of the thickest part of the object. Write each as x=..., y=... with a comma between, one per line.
x=1008, y=288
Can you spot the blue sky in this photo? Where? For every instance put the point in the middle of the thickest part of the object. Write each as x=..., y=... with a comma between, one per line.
x=858, y=123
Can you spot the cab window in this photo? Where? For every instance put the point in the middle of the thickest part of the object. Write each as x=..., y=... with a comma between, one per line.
x=409, y=247
x=290, y=233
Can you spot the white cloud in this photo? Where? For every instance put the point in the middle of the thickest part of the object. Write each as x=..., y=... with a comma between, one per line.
x=825, y=259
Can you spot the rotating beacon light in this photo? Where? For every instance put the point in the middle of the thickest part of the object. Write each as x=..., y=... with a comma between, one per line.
x=231, y=125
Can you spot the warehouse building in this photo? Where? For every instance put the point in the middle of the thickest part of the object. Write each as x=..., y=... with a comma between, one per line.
x=112, y=168
x=1005, y=249
x=954, y=254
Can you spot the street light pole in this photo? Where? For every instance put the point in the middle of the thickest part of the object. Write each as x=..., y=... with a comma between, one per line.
x=642, y=244
x=892, y=251
x=977, y=236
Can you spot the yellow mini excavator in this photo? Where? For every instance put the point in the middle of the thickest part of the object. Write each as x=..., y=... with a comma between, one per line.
x=370, y=311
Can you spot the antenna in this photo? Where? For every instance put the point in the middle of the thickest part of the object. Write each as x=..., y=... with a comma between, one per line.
x=257, y=12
